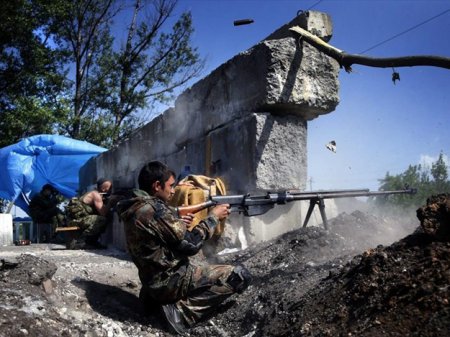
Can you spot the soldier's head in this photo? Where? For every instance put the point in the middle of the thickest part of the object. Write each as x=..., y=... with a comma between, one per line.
x=158, y=180
x=104, y=185
x=47, y=190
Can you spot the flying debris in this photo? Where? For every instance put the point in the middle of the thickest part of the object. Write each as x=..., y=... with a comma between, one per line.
x=243, y=22
x=331, y=146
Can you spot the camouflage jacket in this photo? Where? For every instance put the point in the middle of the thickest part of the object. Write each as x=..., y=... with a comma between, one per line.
x=153, y=231
x=76, y=209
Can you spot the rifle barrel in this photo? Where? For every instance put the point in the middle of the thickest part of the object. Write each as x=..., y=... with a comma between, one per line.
x=260, y=204
x=346, y=194
x=352, y=190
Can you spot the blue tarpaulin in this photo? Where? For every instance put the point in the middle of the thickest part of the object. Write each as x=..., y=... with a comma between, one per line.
x=43, y=159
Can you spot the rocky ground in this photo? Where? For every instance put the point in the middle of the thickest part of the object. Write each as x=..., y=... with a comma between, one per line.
x=365, y=277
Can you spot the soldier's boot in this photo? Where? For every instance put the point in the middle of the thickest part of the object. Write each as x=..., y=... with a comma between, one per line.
x=240, y=278
x=94, y=244
x=175, y=318
x=76, y=244
x=84, y=242
x=81, y=244
x=148, y=304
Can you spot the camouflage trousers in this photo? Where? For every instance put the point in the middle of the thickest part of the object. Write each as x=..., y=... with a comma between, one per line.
x=92, y=226
x=196, y=293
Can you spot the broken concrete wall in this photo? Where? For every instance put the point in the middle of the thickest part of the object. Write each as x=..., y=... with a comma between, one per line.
x=245, y=122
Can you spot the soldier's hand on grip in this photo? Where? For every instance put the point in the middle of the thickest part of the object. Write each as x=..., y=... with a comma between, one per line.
x=221, y=211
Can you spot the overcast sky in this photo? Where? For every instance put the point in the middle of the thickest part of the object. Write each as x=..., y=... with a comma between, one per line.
x=379, y=127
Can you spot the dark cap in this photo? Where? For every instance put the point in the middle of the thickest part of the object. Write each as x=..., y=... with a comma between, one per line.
x=48, y=187
x=101, y=181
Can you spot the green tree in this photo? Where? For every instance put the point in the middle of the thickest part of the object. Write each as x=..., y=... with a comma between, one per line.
x=63, y=71
x=3, y=205
x=427, y=181
x=30, y=116
x=113, y=85
x=150, y=65
x=439, y=172
x=31, y=76
x=82, y=30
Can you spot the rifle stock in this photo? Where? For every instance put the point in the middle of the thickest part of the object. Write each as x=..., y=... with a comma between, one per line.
x=185, y=210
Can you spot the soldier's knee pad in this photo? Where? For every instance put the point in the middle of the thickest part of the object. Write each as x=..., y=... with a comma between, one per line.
x=240, y=278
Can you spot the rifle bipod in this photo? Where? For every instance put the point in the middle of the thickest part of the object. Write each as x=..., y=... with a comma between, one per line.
x=312, y=202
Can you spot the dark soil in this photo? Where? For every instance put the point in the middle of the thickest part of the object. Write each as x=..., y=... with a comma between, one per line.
x=367, y=276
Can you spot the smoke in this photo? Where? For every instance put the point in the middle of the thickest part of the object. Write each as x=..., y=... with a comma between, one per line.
x=367, y=226
x=399, y=222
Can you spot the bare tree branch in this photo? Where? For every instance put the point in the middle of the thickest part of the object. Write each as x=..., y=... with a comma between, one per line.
x=164, y=10
x=346, y=60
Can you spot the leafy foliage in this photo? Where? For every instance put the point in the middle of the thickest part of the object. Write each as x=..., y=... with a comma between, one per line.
x=63, y=71
x=31, y=74
x=3, y=205
x=427, y=181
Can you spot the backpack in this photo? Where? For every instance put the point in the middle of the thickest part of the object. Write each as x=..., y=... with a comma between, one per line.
x=202, y=187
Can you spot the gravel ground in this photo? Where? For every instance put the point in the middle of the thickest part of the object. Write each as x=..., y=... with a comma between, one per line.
x=367, y=276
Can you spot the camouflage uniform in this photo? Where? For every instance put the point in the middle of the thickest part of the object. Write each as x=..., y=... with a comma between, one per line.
x=87, y=218
x=153, y=234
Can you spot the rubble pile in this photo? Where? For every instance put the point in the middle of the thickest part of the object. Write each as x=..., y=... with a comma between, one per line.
x=357, y=279
x=25, y=283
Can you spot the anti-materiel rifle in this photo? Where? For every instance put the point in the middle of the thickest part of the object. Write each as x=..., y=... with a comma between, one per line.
x=251, y=205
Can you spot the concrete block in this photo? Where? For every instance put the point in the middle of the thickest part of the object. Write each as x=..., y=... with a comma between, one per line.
x=282, y=75
x=6, y=229
x=259, y=152
x=317, y=23
x=246, y=122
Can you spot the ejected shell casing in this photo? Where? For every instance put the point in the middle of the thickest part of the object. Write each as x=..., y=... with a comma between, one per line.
x=243, y=22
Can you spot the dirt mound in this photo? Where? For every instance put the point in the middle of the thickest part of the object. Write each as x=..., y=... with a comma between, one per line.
x=308, y=282
x=398, y=290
